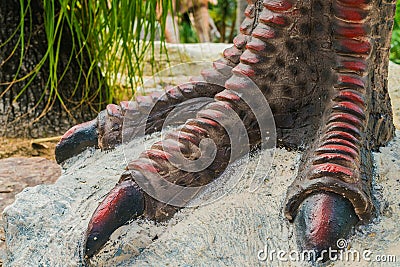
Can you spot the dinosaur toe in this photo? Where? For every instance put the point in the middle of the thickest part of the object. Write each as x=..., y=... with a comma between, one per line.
x=322, y=220
x=124, y=202
x=76, y=140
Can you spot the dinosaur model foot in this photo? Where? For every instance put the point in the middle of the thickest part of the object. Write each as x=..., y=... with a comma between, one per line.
x=321, y=65
x=105, y=131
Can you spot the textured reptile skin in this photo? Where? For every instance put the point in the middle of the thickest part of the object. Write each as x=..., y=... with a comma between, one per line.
x=275, y=22
x=358, y=117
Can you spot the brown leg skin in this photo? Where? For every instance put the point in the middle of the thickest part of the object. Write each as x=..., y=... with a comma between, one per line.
x=172, y=29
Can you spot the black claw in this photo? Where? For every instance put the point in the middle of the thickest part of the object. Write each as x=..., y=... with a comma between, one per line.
x=322, y=220
x=124, y=202
x=76, y=140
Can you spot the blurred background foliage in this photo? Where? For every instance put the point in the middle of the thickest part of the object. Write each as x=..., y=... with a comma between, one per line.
x=109, y=34
x=395, y=47
x=224, y=16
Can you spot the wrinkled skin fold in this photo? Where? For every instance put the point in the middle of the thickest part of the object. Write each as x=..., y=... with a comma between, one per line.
x=322, y=67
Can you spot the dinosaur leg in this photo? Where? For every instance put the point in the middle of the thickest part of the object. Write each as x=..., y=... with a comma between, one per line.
x=332, y=192
x=201, y=18
x=172, y=29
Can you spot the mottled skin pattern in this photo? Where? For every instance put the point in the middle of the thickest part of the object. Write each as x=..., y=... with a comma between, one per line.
x=322, y=66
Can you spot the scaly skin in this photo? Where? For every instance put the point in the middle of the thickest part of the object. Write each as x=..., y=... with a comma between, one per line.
x=337, y=106
x=108, y=138
x=109, y=122
x=275, y=21
x=340, y=160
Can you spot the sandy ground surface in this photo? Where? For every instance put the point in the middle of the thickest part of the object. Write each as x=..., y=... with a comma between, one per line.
x=19, y=147
x=198, y=233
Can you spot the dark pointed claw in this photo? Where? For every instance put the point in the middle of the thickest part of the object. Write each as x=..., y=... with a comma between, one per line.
x=77, y=139
x=322, y=220
x=124, y=202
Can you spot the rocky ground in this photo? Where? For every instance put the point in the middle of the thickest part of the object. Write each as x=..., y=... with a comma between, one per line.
x=25, y=167
x=209, y=234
